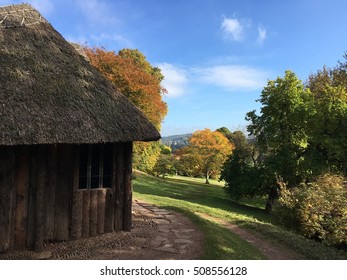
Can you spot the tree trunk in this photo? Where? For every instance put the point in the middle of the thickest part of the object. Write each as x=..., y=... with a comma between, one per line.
x=273, y=195
x=207, y=177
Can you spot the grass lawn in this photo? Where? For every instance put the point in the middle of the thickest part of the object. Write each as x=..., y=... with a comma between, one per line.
x=191, y=195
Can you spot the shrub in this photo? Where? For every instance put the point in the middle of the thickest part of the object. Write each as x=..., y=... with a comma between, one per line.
x=317, y=209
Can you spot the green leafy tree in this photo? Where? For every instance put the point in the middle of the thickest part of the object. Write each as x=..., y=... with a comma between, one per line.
x=165, y=164
x=281, y=131
x=225, y=131
x=328, y=128
x=241, y=171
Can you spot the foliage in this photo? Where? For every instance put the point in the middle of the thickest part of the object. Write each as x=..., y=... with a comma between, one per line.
x=146, y=155
x=317, y=209
x=206, y=152
x=300, y=134
x=137, y=79
x=133, y=76
x=328, y=128
x=241, y=177
x=187, y=163
x=193, y=196
x=241, y=172
x=165, y=164
x=225, y=131
x=281, y=129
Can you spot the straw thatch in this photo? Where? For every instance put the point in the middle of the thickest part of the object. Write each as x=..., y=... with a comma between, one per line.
x=50, y=94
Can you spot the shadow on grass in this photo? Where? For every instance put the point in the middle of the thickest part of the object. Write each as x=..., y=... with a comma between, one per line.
x=198, y=193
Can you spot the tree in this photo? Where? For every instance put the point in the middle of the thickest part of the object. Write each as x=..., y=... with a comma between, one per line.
x=241, y=172
x=328, y=128
x=225, y=131
x=165, y=164
x=137, y=79
x=281, y=131
x=133, y=76
x=299, y=135
x=145, y=155
x=207, y=152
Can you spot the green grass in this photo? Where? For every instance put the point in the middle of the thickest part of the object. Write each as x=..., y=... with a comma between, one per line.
x=189, y=198
x=191, y=195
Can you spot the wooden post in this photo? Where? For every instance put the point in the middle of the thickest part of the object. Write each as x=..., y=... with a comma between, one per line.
x=77, y=198
x=51, y=182
x=93, y=216
x=85, y=213
x=109, y=211
x=39, y=197
x=7, y=169
x=119, y=187
x=22, y=191
x=101, y=211
x=128, y=192
x=31, y=197
x=63, y=196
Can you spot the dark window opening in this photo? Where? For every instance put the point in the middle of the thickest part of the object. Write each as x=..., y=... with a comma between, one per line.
x=95, y=170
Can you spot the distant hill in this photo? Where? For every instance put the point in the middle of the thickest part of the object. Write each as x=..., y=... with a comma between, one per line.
x=176, y=142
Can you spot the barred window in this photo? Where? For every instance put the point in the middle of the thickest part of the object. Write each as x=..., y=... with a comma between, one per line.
x=95, y=169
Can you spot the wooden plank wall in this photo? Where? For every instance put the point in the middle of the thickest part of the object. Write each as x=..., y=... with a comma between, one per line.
x=92, y=210
x=22, y=191
x=63, y=194
x=119, y=187
x=128, y=192
x=51, y=188
x=40, y=200
x=7, y=181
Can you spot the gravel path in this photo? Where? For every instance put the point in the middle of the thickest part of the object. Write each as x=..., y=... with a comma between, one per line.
x=270, y=250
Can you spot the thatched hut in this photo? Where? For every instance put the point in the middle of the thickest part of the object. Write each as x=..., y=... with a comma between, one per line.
x=65, y=139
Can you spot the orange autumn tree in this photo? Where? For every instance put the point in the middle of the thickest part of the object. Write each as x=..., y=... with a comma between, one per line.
x=134, y=77
x=206, y=152
x=137, y=79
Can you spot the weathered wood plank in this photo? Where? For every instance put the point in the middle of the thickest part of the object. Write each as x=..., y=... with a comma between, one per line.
x=31, y=197
x=77, y=199
x=85, y=213
x=7, y=172
x=109, y=211
x=77, y=218
x=128, y=192
x=39, y=197
x=22, y=191
x=63, y=196
x=93, y=212
x=51, y=183
x=101, y=211
x=119, y=187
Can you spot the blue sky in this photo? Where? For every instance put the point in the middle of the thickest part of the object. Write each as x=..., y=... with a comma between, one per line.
x=216, y=55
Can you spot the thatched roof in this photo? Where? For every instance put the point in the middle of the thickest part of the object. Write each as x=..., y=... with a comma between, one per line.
x=50, y=94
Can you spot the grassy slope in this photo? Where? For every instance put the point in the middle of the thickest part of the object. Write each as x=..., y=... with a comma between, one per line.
x=189, y=196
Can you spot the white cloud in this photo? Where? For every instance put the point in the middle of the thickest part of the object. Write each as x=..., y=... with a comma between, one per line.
x=175, y=79
x=233, y=29
x=233, y=77
x=262, y=34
